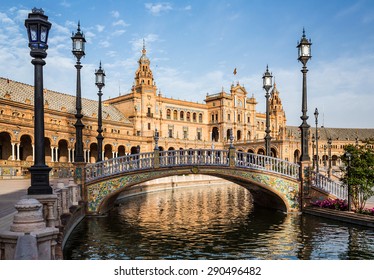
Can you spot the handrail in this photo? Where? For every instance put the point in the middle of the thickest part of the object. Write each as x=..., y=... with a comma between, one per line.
x=190, y=157
x=335, y=188
x=270, y=164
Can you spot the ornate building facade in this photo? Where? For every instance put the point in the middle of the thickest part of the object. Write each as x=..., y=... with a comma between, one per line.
x=130, y=122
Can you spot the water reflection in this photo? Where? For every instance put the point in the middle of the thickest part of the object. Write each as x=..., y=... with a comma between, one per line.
x=216, y=222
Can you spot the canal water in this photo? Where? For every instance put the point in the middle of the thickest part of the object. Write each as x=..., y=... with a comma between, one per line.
x=213, y=222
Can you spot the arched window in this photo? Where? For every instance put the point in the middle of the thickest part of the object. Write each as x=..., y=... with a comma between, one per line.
x=215, y=134
x=273, y=152
x=188, y=116
x=194, y=117
x=168, y=114
x=238, y=135
x=175, y=115
x=200, y=118
x=296, y=156
x=181, y=115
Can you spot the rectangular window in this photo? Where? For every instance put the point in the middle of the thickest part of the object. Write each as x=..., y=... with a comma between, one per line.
x=149, y=126
x=170, y=133
x=199, y=134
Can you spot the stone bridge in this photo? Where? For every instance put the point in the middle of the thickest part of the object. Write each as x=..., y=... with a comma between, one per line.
x=273, y=182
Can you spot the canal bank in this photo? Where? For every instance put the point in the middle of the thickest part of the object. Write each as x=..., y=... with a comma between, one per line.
x=213, y=222
x=343, y=216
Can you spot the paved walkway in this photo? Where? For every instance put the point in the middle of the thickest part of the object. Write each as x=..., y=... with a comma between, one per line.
x=11, y=191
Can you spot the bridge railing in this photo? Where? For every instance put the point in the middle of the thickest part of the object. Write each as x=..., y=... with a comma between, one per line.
x=194, y=157
x=270, y=164
x=190, y=157
x=335, y=188
x=119, y=165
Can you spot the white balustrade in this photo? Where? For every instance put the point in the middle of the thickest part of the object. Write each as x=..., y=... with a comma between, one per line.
x=191, y=157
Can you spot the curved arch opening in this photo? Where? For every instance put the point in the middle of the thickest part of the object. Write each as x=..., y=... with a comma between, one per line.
x=263, y=195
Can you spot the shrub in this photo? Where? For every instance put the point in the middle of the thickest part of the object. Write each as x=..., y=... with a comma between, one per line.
x=338, y=204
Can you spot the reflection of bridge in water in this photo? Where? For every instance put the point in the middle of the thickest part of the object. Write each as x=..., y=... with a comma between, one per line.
x=273, y=182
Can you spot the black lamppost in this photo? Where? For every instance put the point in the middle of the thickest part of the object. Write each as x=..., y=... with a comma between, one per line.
x=100, y=83
x=304, y=56
x=349, y=157
x=329, y=143
x=267, y=83
x=78, y=51
x=317, y=157
x=38, y=27
x=313, y=147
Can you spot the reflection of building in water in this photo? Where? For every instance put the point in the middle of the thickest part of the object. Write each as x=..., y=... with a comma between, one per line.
x=131, y=119
x=194, y=209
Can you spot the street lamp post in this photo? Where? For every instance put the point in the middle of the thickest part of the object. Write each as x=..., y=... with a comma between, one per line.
x=313, y=147
x=78, y=51
x=349, y=157
x=100, y=83
x=304, y=56
x=329, y=143
x=38, y=27
x=324, y=156
x=267, y=83
x=317, y=157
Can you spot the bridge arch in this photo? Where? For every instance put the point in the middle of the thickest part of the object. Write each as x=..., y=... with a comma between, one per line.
x=272, y=182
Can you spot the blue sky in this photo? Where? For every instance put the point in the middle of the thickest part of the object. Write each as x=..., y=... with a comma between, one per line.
x=194, y=47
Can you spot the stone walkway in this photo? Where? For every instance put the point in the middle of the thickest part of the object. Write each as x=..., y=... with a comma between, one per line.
x=11, y=191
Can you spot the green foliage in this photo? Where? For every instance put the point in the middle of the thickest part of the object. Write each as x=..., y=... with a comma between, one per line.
x=360, y=175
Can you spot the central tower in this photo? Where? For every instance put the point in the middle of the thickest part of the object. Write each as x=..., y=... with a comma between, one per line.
x=146, y=111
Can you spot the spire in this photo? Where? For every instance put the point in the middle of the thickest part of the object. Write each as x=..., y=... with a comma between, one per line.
x=144, y=51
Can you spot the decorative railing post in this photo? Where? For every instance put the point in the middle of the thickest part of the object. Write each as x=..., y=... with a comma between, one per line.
x=156, y=151
x=156, y=158
x=305, y=183
x=232, y=156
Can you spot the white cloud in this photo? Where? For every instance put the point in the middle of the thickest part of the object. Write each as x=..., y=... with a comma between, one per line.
x=100, y=28
x=104, y=44
x=137, y=44
x=120, y=23
x=115, y=14
x=118, y=32
x=5, y=19
x=188, y=8
x=157, y=9
x=65, y=4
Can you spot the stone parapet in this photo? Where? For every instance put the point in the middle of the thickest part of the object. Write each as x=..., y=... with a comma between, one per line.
x=28, y=237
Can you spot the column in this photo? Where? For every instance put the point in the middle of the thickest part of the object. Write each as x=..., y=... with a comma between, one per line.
x=13, y=150
x=84, y=155
x=73, y=155
x=18, y=154
x=103, y=153
x=33, y=153
x=69, y=157
x=88, y=156
x=52, y=154
x=113, y=154
x=56, y=156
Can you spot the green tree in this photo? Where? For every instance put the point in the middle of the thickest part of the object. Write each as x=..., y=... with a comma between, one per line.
x=360, y=174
